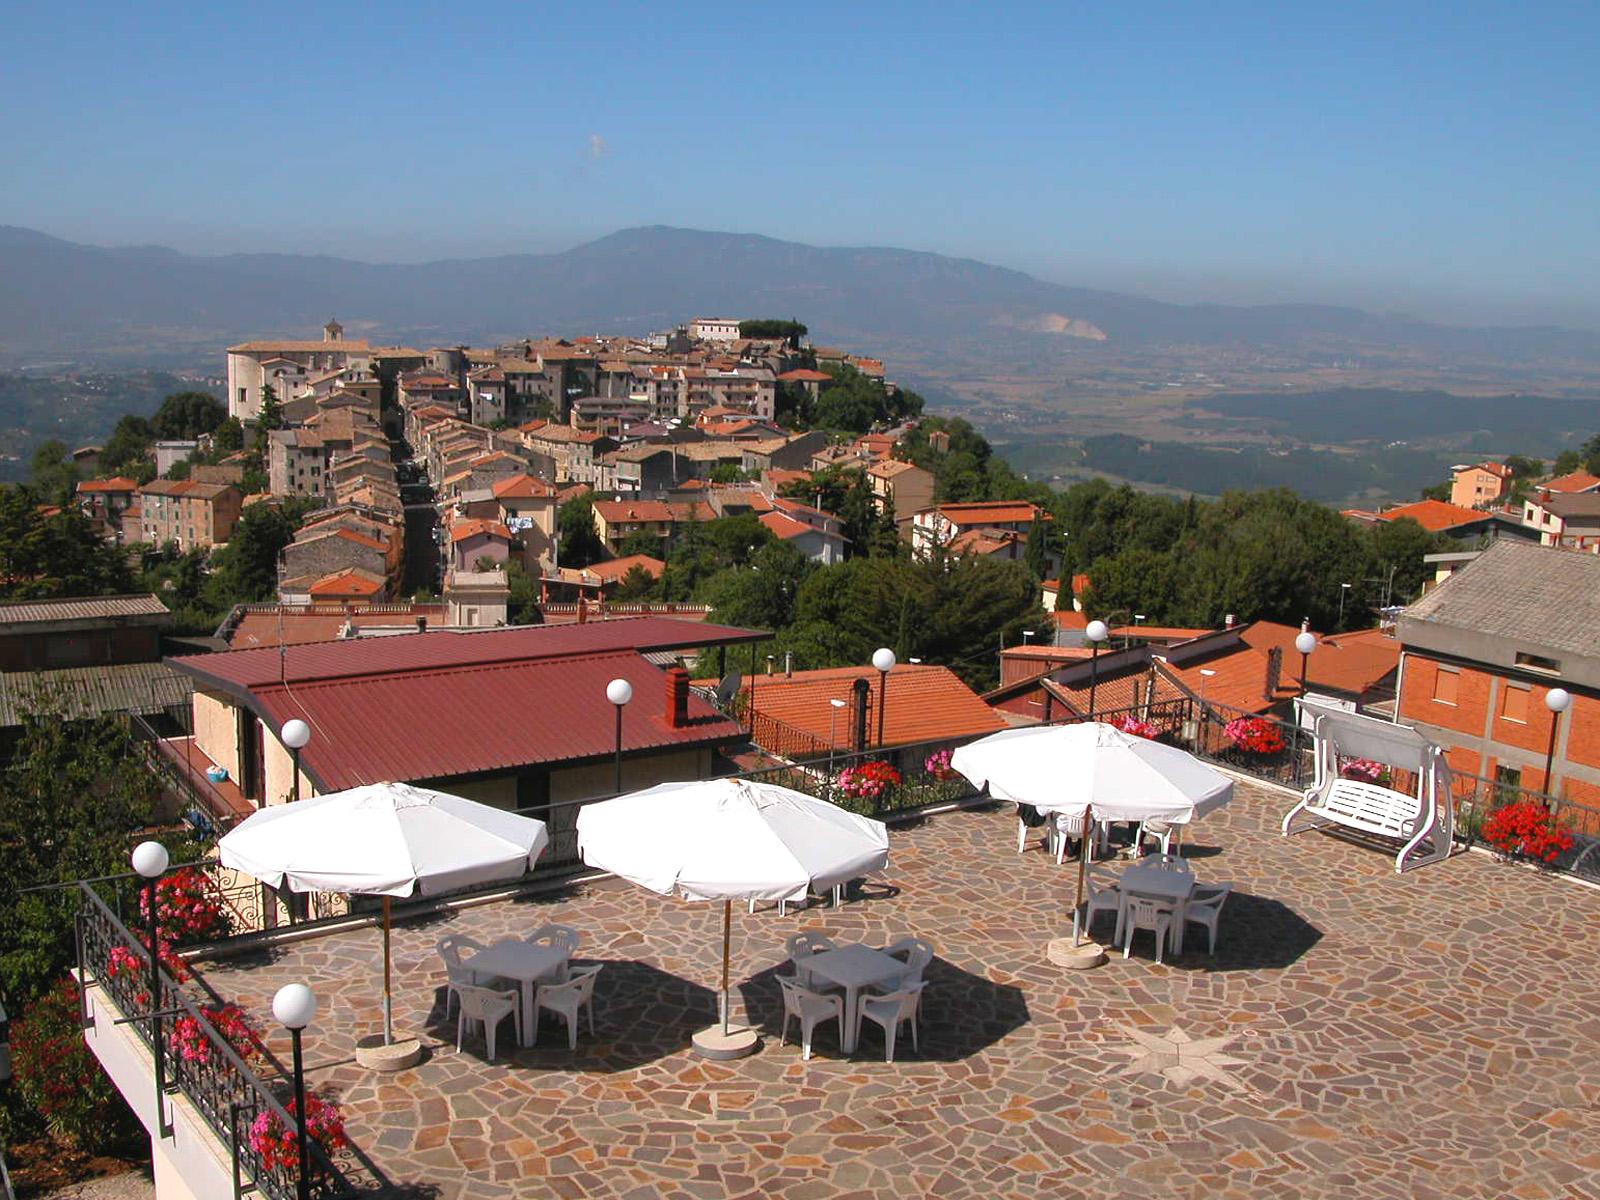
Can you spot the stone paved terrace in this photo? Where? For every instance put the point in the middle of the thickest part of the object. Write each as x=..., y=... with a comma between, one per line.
x=1360, y=1034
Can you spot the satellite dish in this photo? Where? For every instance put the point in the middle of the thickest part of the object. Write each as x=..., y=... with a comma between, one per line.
x=729, y=687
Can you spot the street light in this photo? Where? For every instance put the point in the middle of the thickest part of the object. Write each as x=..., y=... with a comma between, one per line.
x=619, y=692
x=1097, y=633
x=150, y=860
x=1026, y=634
x=295, y=734
x=883, y=659
x=1557, y=700
x=1344, y=591
x=1305, y=642
x=833, y=726
x=293, y=1007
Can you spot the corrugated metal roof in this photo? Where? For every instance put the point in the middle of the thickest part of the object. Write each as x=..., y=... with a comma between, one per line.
x=80, y=608
x=451, y=649
x=482, y=717
x=90, y=691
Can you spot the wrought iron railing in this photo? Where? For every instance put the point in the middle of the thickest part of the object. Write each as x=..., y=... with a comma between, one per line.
x=211, y=1074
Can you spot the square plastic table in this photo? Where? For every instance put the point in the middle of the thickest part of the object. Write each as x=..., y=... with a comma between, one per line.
x=525, y=962
x=1174, y=887
x=855, y=968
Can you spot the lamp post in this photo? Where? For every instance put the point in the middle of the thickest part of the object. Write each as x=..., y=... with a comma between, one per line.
x=1026, y=634
x=293, y=1007
x=1097, y=633
x=1344, y=591
x=833, y=725
x=1557, y=700
x=150, y=860
x=883, y=659
x=1305, y=641
x=1205, y=714
x=619, y=692
x=295, y=734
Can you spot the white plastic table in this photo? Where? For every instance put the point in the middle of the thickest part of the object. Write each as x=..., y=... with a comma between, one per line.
x=1175, y=887
x=855, y=967
x=525, y=962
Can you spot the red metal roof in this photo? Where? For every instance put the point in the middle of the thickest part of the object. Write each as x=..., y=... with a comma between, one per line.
x=400, y=653
x=486, y=716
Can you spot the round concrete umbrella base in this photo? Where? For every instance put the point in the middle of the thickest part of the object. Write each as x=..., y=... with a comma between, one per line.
x=373, y=1054
x=711, y=1042
x=1081, y=957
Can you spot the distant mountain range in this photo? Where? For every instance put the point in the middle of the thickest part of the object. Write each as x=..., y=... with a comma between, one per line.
x=148, y=303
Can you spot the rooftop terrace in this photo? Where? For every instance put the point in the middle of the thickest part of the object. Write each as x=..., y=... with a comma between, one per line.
x=1358, y=1033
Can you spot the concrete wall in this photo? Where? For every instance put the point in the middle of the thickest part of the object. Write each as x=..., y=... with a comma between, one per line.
x=216, y=732
x=597, y=779
x=277, y=770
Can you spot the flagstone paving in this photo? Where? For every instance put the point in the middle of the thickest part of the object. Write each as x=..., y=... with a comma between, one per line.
x=1358, y=1034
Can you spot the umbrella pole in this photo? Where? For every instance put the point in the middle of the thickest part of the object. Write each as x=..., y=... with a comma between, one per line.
x=1083, y=860
x=727, y=934
x=388, y=1003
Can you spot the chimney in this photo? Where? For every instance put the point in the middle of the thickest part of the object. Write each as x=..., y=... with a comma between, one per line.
x=1229, y=621
x=583, y=610
x=422, y=624
x=1305, y=624
x=677, y=697
x=862, y=692
x=788, y=664
x=1274, y=672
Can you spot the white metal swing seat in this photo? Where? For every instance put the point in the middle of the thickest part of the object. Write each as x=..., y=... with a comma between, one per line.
x=1423, y=822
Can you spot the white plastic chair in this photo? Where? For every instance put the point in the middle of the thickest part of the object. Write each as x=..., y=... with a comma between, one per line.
x=1168, y=862
x=810, y=1009
x=836, y=894
x=568, y=1000
x=1141, y=912
x=486, y=1007
x=1204, y=907
x=891, y=1012
x=1045, y=829
x=801, y=946
x=1104, y=892
x=457, y=975
x=917, y=953
x=562, y=937
x=1160, y=830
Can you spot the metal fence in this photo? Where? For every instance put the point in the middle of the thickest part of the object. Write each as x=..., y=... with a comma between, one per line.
x=210, y=1073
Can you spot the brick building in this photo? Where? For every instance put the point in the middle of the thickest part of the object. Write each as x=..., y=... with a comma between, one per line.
x=1480, y=653
x=192, y=514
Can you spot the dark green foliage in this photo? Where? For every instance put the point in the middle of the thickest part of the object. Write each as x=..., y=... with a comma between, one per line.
x=229, y=438
x=52, y=475
x=179, y=469
x=1591, y=455
x=847, y=494
x=1439, y=491
x=246, y=569
x=580, y=544
x=640, y=542
x=707, y=547
x=128, y=446
x=58, y=1076
x=968, y=469
x=1567, y=462
x=791, y=331
x=854, y=403
x=54, y=556
x=728, y=473
x=187, y=415
x=523, y=606
x=761, y=593
x=638, y=584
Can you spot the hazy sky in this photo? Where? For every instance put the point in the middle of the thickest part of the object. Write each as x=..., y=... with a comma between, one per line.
x=1439, y=157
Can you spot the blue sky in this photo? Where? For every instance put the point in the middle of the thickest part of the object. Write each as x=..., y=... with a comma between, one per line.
x=1439, y=157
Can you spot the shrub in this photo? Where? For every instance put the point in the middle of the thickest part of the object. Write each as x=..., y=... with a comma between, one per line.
x=274, y=1139
x=938, y=765
x=188, y=908
x=191, y=1044
x=869, y=781
x=56, y=1073
x=1254, y=735
x=1524, y=828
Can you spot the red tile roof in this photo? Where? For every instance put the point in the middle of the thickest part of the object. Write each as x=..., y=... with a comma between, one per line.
x=462, y=530
x=924, y=704
x=784, y=526
x=989, y=512
x=1434, y=515
x=523, y=487
x=120, y=484
x=614, y=511
x=805, y=375
x=347, y=583
x=1577, y=481
x=1342, y=662
x=614, y=569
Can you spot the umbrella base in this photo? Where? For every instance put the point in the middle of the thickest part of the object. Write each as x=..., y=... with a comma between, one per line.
x=373, y=1054
x=1081, y=957
x=711, y=1042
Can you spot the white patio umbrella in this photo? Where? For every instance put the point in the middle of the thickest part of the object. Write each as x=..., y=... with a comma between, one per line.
x=383, y=839
x=1094, y=772
x=729, y=839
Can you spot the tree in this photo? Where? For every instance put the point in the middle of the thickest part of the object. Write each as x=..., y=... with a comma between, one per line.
x=762, y=593
x=729, y=473
x=638, y=584
x=1524, y=471
x=1437, y=491
x=59, y=555
x=855, y=402
x=640, y=541
x=245, y=571
x=580, y=544
x=229, y=437
x=1591, y=455
x=187, y=415
x=180, y=469
x=790, y=331
x=523, y=606
x=73, y=796
x=129, y=444
x=53, y=475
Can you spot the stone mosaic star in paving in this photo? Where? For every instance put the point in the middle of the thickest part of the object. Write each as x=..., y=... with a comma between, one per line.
x=1180, y=1058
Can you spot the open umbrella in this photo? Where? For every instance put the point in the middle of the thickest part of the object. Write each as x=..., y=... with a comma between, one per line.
x=1094, y=772
x=383, y=839
x=730, y=839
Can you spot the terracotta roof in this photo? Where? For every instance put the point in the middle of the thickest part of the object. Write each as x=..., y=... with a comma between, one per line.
x=787, y=527
x=1577, y=481
x=614, y=511
x=352, y=346
x=462, y=530
x=888, y=468
x=989, y=512
x=185, y=487
x=361, y=539
x=924, y=703
x=120, y=483
x=347, y=583
x=1343, y=662
x=613, y=569
x=983, y=541
x=1239, y=679
x=1434, y=515
x=522, y=487
x=805, y=375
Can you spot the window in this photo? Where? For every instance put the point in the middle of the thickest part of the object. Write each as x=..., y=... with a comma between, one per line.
x=1538, y=662
x=1444, y=685
x=1510, y=781
x=1514, y=704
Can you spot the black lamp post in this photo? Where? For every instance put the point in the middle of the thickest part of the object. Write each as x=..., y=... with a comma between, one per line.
x=883, y=659
x=1096, y=632
x=619, y=692
x=1557, y=700
x=150, y=860
x=293, y=1006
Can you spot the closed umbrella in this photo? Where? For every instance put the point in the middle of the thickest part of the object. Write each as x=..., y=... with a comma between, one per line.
x=730, y=839
x=383, y=839
x=1093, y=772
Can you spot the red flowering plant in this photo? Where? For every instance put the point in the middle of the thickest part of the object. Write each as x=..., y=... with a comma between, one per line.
x=938, y=765
x=1365, y=769
x=869, y=781
x=191, y=1044
x=188, y=908
x=1526, y=829
x=1131, y=724
x=273, y=1139
x=1254, y=735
